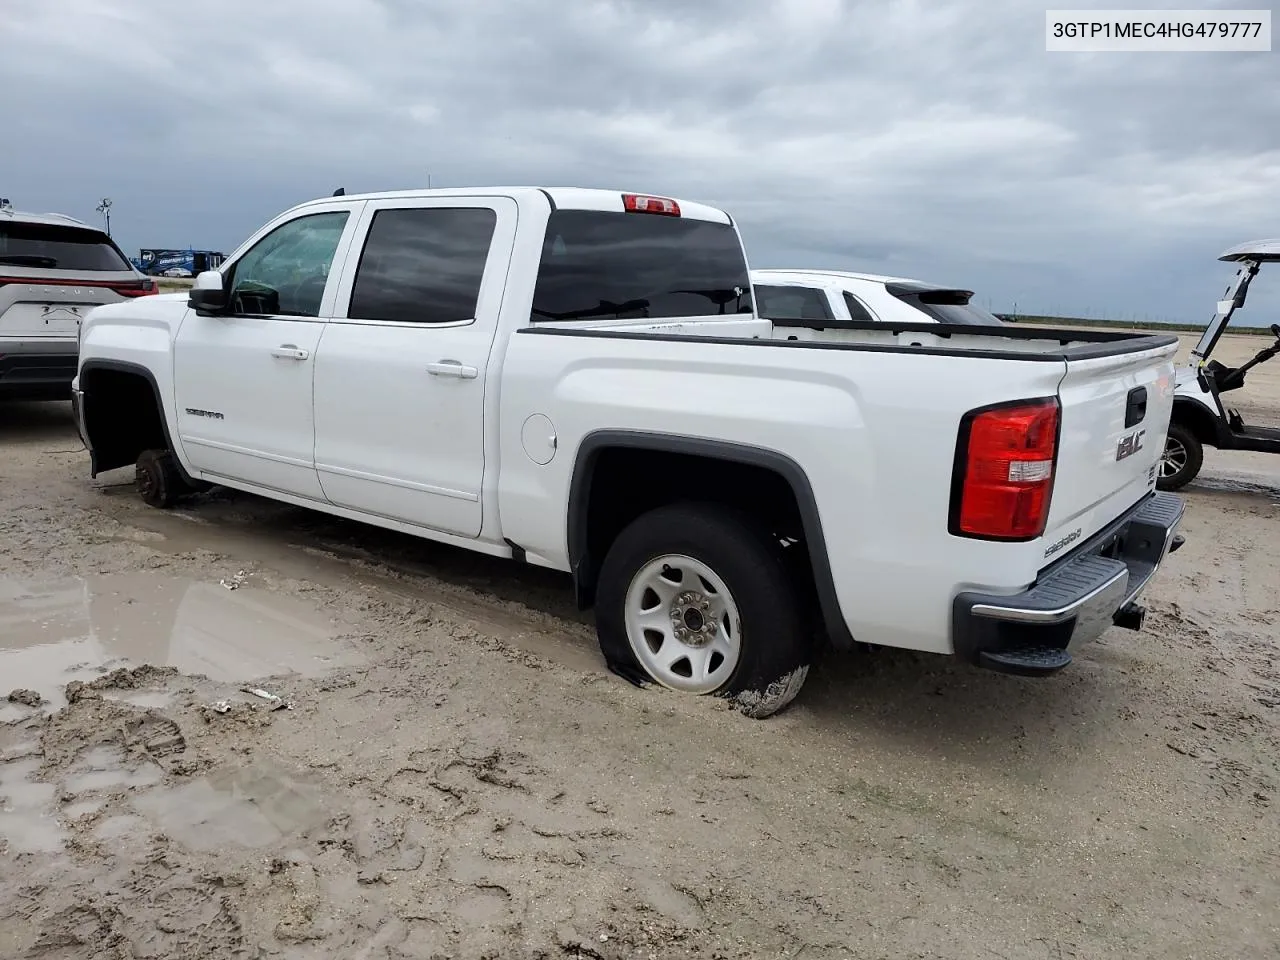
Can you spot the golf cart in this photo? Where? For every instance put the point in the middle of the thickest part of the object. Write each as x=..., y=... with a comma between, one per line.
x=1199, y=417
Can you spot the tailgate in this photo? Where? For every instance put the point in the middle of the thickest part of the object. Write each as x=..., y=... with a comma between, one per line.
x=35, y=320
x=31, y=309
x=1115, y=414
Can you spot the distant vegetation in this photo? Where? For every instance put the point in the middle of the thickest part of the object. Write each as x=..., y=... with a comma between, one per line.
x=1126, y=325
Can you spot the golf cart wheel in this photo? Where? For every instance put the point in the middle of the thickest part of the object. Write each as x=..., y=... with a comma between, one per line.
x=1181, y=460
x=158, y=479
x=693, y=597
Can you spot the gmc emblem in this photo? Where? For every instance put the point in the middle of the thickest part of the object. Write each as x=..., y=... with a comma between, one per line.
x=1129, y=445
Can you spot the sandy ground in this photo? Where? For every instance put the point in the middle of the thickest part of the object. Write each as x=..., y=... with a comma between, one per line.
x=451, y=772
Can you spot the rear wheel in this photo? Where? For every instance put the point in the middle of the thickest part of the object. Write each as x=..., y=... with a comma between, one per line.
x=1182, y=458
x=696, y=599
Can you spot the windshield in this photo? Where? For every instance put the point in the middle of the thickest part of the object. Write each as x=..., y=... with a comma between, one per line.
x=55, y=247
x=597, y=264
x=1238, y=294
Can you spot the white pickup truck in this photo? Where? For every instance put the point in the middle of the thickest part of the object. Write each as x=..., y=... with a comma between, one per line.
x=577, y=379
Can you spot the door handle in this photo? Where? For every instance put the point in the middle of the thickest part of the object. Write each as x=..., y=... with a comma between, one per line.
x=290, y=351
x=452, y=368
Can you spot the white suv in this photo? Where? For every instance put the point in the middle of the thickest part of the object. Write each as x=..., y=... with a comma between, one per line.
x=862, y=297
x=53, y=270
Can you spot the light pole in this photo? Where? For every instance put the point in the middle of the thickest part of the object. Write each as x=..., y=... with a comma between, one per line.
x=104, y=208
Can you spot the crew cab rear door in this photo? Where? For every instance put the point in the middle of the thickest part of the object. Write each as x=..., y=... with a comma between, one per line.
x=1115, y=414
x=403, y=367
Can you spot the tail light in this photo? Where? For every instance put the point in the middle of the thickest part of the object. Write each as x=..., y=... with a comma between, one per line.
x=637, y=203
x=138, y=288
x=1003, y=478
x=126, y=288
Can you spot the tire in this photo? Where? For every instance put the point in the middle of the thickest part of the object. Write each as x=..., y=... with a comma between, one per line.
x=741, y=633
x=1182, y=458
x=158, y=479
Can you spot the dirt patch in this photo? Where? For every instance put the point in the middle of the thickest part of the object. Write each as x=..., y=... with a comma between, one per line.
x=449, y=771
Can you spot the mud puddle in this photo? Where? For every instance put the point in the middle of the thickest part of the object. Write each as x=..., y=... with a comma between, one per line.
x=249, y=807
x=394, y=565
x=27, y=823
x=119, y=799
x=52, y=632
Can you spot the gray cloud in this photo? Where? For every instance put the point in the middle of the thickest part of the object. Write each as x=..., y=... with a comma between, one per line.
x=928, y=139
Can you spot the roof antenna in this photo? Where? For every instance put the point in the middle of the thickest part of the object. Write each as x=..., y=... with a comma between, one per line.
x=340, y=192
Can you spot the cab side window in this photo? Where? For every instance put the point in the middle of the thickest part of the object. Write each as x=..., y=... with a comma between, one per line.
x=284, y=273
x=423, y=265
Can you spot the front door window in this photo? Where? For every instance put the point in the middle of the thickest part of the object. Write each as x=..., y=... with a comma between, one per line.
x=284, y=273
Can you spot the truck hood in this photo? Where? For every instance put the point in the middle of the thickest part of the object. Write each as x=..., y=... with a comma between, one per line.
x=163, y=311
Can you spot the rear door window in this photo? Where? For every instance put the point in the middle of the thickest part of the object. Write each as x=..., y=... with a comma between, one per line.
x=57, y=247
x=792, y=303
x=601, y=265
x=423, y=265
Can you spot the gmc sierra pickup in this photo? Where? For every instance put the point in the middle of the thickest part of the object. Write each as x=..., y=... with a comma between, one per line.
x=577, y=379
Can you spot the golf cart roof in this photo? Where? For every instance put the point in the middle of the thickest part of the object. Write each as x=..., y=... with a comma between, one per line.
x=1260, y=251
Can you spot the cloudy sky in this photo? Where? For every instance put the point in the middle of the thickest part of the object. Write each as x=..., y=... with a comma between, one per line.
x=929, y=139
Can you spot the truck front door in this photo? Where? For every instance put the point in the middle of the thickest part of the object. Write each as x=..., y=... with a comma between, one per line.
x=243, y=378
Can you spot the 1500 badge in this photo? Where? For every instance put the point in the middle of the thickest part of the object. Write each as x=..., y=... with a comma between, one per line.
x=1129, y=445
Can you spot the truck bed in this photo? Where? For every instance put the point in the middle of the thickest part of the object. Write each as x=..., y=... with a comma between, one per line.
x=872, y=413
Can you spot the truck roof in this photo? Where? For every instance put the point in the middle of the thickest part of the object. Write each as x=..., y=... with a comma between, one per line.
x=567, y=198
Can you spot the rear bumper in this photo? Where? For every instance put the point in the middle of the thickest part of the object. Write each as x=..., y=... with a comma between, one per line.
x=1074, y=601
x=32, y=368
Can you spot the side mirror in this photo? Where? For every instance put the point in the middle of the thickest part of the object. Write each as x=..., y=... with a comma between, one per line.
x=208, y=295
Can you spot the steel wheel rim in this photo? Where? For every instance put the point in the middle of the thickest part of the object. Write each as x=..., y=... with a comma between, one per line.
x=1174, y=459
x=683, y=624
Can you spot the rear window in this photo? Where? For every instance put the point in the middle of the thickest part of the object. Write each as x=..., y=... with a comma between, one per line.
x=597, y=265
x=791, y=303
x=55, y=247
x=945, y=306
